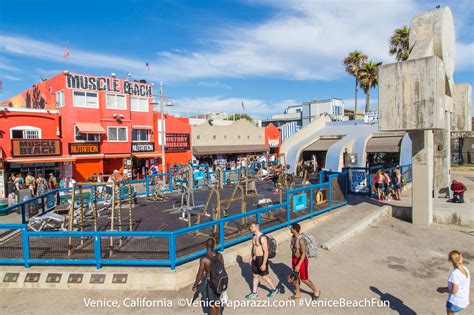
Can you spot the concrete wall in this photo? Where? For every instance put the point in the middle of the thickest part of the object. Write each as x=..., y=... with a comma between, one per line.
x=461, y=119
x=412, y=95
x=241, y=132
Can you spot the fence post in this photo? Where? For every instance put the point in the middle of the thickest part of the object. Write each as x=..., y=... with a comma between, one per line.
x=330, y=192
x=23, y=214
x=221, y=235
x=97, y=251
x=172, y=249
x=42, y=204
x=288, y=203
x=311, y=193
x=147, y=185
x=171, y=180
x=26, y=247
x=58, y=198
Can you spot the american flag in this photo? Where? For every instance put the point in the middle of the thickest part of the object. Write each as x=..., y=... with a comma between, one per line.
x=147, y=64
x=66, y=52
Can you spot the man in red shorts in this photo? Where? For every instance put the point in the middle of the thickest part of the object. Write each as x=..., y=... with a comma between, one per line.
x=299, y=263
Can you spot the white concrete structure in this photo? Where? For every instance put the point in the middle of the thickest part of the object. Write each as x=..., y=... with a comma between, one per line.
x=337, y=138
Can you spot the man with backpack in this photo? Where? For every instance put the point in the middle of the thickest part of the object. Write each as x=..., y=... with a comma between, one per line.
x=211, y=278
x=263, y=248
x=302, y=247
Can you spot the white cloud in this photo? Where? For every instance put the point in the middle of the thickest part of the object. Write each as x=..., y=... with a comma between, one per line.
x=349, y=103
x=215, y=84
x=302, y=40
x=9, y=77
x=254, y=107
x=464, y=56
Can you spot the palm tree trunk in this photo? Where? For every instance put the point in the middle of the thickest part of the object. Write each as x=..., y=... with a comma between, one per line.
x=367, y=101
x=355, y=100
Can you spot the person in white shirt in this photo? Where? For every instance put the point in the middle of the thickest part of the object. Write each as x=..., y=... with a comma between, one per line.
x=459, y=283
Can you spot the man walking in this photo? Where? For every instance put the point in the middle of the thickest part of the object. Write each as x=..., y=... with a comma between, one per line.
x=208, y=294
x=299, y=263
x=259, y=262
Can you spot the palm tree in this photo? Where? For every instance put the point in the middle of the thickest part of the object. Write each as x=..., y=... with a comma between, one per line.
x=353, y=63
x=369, y=78
x=399, y=43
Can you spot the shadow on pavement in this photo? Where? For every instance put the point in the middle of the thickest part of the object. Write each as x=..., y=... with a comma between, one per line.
x=395, y=303
x=400, y=212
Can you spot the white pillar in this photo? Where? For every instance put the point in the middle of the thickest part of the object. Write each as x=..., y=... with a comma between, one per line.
x=422, y=162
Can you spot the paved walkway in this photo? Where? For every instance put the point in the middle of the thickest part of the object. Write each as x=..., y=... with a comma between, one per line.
x=391, y=260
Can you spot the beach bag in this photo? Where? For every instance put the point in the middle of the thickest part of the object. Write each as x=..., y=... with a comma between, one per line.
x=311, y=245
x=272, y=245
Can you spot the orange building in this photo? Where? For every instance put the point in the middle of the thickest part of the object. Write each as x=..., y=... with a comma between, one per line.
x=93, y=124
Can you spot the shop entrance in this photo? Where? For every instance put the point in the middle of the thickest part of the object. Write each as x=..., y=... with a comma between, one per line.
x=35, y=169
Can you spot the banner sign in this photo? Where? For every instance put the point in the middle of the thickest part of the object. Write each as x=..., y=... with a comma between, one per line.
x=143, y=147
x=84, y=148
x=371, y=117
x=273, y=143
x=177, y=142
x=109, y=84
x=299, y=202
x=35, y=147
x=358, y=180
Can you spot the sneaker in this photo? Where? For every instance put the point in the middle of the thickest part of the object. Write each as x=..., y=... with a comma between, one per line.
x=272, y=294
x=251, y=296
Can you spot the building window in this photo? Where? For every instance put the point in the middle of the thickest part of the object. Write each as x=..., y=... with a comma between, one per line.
x=85, y=137
x=214, y=137
x=225, y=137
x=238, y=137
x=139, y=104
x=117, y=134
x=25, y=132
x=140, y=135
x=85, y=99
x=248, y=137
x=60, y=99
x=198, y=137
x=116, y=101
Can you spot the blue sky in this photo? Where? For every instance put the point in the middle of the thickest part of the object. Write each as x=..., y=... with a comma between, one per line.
x=212, y=55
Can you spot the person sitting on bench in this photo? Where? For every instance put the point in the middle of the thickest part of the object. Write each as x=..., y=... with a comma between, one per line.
x=458, y=189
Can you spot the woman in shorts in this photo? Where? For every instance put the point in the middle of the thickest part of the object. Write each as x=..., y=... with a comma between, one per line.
x=459, y=283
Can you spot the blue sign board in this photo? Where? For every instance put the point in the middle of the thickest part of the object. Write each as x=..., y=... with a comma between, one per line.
x=199, y=175
x=299, y=202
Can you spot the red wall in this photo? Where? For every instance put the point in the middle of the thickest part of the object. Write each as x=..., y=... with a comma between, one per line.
x=48, y=123
x=272, y=133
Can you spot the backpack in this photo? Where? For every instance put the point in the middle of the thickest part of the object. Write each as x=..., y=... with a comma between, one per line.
x=218, y=275
x=272, y=245
x=311, y=245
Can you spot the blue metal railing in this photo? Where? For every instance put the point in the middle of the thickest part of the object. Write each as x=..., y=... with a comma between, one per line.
x=171, y=236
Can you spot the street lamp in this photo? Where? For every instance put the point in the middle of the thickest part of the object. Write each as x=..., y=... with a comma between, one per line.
x=164, y=101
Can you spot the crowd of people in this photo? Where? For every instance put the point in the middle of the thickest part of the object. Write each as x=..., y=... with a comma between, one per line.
x=387, y=185
x=212, y=281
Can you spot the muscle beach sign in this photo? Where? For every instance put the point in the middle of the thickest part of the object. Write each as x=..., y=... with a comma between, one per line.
x=109, y=84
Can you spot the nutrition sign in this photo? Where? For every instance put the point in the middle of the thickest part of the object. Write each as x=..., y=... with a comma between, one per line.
x=84, y=148
x=35, y=147
x=177, y=142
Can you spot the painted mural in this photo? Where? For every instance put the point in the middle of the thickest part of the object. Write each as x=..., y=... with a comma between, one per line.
x=39, y=96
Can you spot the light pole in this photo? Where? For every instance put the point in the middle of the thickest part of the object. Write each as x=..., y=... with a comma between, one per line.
x=162, y=124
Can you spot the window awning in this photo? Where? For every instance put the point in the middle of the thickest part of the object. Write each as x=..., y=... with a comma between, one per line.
x=384, y=144
x=321, y=144
x=141, y=127
x=90, y=128
x=228, y=149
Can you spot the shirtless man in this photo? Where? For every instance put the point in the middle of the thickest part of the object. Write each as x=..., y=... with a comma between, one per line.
x=203, y=278
x=259, y=262
x=299, y=263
